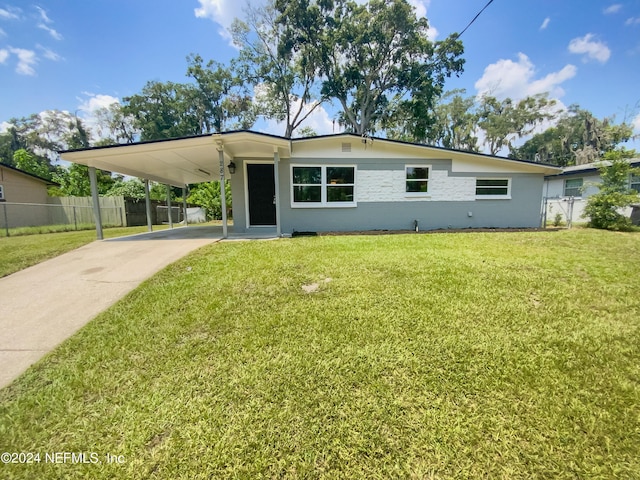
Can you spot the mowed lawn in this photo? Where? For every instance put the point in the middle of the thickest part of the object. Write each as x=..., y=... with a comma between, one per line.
x=467, y=355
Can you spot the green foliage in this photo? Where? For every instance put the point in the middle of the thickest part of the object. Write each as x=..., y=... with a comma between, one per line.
x=557, y=220
x=376, y=59
x=28, y=162
x=603, y=208
x=504, y=121
x=207, y=195
x=285, y=72
x=577, y=138
x=74, y=181
x=130, y=189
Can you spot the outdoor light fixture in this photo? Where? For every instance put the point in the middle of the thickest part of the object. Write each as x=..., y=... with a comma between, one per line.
x=232, y=168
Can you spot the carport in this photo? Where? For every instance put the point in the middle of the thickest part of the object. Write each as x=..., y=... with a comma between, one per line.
x=182, y=161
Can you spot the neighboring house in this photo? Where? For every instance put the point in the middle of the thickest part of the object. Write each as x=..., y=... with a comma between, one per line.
x=26, y=189
x=18, y=186
x=567, y=192
x=340, y=182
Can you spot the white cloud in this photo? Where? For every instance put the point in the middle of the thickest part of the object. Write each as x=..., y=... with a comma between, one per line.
x=516, y=80
x=4, y=54
x=10, y=13
x=632, y=21
x=43, y=15
x=615, y=8
x=50, y=31
x=222, y=12
x=545, y=23
x=95, y=101
x=4, y=127
x=590, y=48
x=3, y=33
x=636, y=124
x=49, y=54
x=26, y=61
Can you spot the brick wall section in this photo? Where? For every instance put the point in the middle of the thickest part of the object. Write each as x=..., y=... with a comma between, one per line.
x=389, y=186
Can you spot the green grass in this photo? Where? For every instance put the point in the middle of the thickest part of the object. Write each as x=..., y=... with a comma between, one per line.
x=19, y=252
x=65, y=227
x=475, y=355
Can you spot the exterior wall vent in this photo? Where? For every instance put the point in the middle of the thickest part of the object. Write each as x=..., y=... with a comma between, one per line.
x=346, y=147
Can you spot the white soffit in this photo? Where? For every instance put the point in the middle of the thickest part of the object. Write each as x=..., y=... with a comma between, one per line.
x=180, y=161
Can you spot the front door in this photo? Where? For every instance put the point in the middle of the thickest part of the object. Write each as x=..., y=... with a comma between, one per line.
x=261, y=189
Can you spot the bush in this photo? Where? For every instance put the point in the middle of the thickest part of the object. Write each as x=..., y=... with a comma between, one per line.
x=603, y=208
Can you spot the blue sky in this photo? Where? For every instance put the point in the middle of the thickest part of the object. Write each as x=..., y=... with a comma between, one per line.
x=76, y=55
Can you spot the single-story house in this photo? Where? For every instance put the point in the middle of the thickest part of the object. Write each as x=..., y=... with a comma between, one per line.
x=340, y=182
x=18, y=186
x=566, y=193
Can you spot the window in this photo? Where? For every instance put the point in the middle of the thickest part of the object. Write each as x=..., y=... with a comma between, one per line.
x=573, y=187
x=323, y=186
x=489, y=188
x=634, y=182
x=1, y=193
x=417, y=179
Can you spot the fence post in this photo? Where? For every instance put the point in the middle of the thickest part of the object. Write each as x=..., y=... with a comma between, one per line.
x=6, y=219
x=121, y=224
x=75, y=218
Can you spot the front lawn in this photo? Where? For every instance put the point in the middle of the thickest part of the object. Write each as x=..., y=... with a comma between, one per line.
x=473, y=355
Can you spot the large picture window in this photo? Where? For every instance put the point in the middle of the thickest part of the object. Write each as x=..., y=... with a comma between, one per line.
x=417, y=179
x=489, y=188
x=634, y=182
x=323, y=186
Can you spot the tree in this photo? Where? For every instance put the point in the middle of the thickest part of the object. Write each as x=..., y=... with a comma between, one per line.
x=455, y=123
x=603, y=208
x=285, y=77
x=131, y=189
x=164, y=110
x=376, y=59
x=114, y=125
x=577, y=138
x=505, y=121
x=74, y=181
x=207, y=195
x=220, y=100
x=28, y=162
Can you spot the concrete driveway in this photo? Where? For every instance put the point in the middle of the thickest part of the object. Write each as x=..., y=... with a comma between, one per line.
x=45, y=304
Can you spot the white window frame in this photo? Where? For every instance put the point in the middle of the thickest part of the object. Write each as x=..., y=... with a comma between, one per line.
x=428, y=180
x=324, y=203
x=634, y=180
x=501, y=196
x=564, y=187
x=1, y=193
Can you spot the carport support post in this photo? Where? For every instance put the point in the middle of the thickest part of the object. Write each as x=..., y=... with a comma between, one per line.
x=222, y=192
x=96, y=202
x=147, y=198
x=169, y=206
x=276, y=182
x=184, y=205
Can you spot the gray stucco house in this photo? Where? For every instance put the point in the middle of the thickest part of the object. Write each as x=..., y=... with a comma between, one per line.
x=340, y=182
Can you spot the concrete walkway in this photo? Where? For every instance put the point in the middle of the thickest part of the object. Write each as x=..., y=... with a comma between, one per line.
x=47, y=303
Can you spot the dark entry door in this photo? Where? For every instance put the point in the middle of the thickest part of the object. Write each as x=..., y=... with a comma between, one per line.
x=262, y=191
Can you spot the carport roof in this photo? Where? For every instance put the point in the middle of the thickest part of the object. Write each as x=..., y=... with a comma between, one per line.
x=180, y=161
